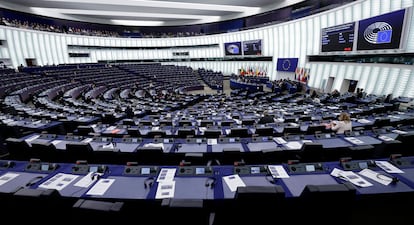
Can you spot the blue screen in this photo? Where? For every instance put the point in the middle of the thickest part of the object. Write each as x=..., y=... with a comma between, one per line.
x=145, y=170
x=45, y=167
x=255, y=170
x=200, y=170
x=381, y=32
x=232, y=48
x=93, y=169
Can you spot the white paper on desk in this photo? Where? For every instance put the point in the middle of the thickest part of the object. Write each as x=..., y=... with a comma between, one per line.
x=7, y=177
x=37, y=122
x=56, y=142
x=294, y=145
x=363, y=121
x=165, y=189
x=86, y=181
x=279, y=140
x=87, y=140
x=59, y=181
x=32, y=138
x=202, y=129
x=278, y=171
x=280, y=120
x=108, y=146
x=233, y=182
x=7, y=121
x=385, y=138
x=166, y=174
x=351, y=177
x=212, y=141
x=354, y=140
x=100, y=187
x=388, y=167
x=161, y=145
x=380, y=178
x=110, y=128
x=399, y=132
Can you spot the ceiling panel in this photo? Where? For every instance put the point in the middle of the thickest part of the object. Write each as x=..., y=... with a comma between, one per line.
x=165, y=12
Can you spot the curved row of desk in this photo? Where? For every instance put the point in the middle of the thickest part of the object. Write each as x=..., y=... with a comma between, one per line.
x=351, y=191
x=376, y=143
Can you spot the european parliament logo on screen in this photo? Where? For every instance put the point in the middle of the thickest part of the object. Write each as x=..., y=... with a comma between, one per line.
x=381, y=32
x=287, y=64
x=232, y=48
x=378, y=33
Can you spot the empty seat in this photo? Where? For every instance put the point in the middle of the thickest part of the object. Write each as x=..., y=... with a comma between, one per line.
x=43, y=150
x=311, y=152
x=239, y=132
x=314, y=198
x=18, y=148
x=212, y=133
x=184, y=132
x=264, y=131
x=79, y=151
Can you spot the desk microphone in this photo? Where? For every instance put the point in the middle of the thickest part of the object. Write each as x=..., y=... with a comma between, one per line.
x=211, y=182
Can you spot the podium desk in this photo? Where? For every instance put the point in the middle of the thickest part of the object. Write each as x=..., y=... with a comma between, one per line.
x=191, y=145
x=148, y=130
x=406, y=164
x=115, y=131
x=73, y=180
x=227, y=143
x=382, y=200
x=363, y=140
x=377, y=189
x=333, y=143
x=258, y=144
x=303, y=174
x=251, y=175
x=130, y=182
x=17, y=176
x=195, y=182
x=20, y=191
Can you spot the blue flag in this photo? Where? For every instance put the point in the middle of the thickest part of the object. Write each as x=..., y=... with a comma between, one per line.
x=287, y=64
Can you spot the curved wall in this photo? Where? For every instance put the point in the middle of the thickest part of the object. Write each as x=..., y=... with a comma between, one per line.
x=294, y=39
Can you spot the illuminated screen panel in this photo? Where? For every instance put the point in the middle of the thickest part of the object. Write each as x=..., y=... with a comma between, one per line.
x=381, y=32
x=232, y=48
x=338, y=38
x=253, y=47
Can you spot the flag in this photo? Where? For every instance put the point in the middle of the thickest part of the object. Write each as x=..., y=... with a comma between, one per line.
x=287, y=64
x=242, y=71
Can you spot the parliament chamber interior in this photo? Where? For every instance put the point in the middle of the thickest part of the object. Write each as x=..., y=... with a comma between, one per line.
x=210, y=127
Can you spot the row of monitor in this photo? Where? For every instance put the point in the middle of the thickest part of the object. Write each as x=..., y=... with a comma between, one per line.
x=375, y=33
x=251, y=47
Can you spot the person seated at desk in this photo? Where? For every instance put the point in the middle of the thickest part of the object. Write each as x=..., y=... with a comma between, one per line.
x=266, y=118
x=129, y=112
x=335, y=93
x=342, y=124
x=316, y=100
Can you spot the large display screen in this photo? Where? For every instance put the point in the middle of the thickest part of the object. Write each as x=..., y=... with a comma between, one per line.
x=381, y=32
x=338, y=38
x=253, y=47
x=232, y=48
